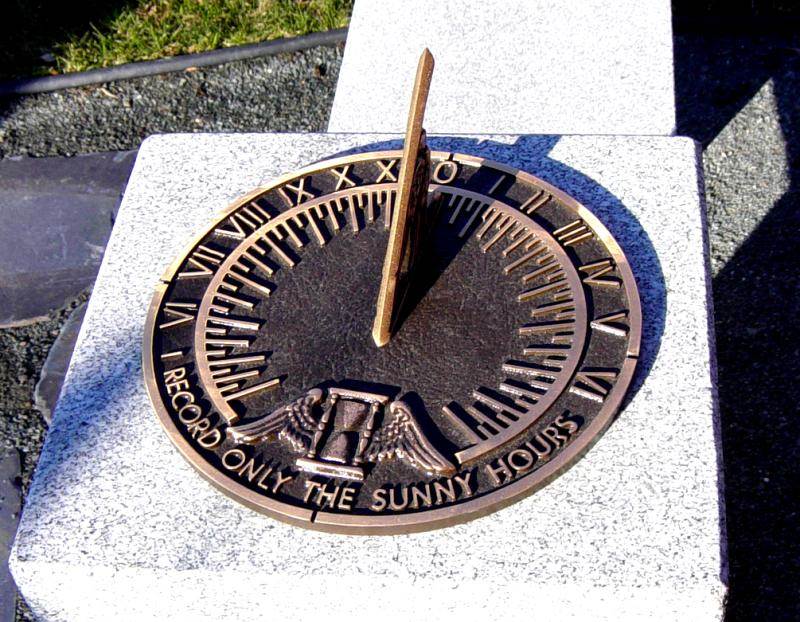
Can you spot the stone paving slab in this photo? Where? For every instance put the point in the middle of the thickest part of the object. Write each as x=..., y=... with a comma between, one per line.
x=118, y=526
x=511, y=66
x=57, y=214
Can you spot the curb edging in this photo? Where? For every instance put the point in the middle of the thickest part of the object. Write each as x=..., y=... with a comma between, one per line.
x=29, y=86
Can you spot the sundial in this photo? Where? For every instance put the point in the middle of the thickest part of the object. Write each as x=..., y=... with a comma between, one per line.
x=393, y=341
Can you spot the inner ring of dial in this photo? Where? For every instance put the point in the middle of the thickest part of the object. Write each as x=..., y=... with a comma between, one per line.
x=486, y=227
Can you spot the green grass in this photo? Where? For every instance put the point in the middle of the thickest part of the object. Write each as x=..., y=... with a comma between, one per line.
x=53, y=36
x=158, y=28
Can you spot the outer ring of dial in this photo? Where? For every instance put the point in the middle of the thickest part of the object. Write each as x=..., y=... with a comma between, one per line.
x=430, y=519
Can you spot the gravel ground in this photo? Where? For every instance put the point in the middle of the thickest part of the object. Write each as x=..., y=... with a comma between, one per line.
x=287, y=92
x=737, y=95
x=22, y=353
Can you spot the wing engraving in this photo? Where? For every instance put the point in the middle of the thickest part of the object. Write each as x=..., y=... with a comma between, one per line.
x=400, y=436
x=294, y=423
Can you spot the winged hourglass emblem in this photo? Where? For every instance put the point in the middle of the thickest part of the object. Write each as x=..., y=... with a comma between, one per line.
x=342, y=432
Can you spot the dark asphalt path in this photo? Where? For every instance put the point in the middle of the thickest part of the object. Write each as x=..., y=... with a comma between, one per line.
x=737, y=95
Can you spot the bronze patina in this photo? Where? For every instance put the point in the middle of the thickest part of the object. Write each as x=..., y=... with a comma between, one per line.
x=393, y=341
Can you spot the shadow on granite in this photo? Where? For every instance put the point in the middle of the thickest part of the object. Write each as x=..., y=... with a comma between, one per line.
x=716, y=74
x=757, y=295
x=756, y=291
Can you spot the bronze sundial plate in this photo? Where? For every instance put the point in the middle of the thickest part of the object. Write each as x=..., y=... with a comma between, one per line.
x=512, y=355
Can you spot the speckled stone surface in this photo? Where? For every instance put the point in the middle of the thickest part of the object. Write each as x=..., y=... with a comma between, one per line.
x=511, y=66
x=118, y=526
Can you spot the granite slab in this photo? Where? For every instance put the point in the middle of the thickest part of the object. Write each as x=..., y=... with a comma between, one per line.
x=118, y=526
x=511, y=66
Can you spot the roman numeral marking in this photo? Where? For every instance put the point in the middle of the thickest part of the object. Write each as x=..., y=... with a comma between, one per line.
x=611, y=324
x=461, y=424
x=477, y=208
x=595, y=274
x=496, y=184
x=459, y=203
x=313, y=214
x=549, y=266
x=241, y=302
x=489, y=218
x=520, y=261
x=172, y=355
x=276, y=248
x=593, y=384
x=556, y=350
x=226, y=375
x=259, y=260
x=562, y=310
x=532, y=370
x=573, y=233
x=234, y=360
x=442, y=176
x=269, y=385
x=248, y=281
x=547, y=327
x=386, y=171
x=299, y=191
x=501, y=232
x=386, y=199
x=487, y=427
x=364, y=203
x=335, y=207
x=234, y=323
x=351, y=210
x=284, y=230
x=531, y=390
x=243, y=222
x=341, y=177
x=182, y=312
x=542, y=289
x=205, y=261
x=501, y=407
x=534, y=202
x=228, y=343
x=517, y=242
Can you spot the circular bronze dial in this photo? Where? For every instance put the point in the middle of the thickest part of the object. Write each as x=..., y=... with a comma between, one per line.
x=515, y=345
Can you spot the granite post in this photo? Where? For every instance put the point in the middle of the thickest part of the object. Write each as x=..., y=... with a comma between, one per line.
x=116, y=525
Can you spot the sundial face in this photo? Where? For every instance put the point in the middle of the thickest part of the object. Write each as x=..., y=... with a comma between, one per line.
x=510, y=348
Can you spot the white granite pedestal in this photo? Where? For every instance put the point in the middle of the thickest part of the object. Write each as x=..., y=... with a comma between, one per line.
x=511, y=66
x=117, y=526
